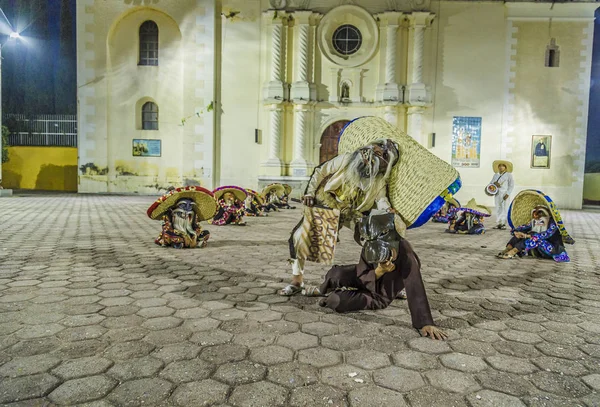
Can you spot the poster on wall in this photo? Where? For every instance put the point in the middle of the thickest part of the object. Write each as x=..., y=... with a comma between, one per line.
x=540, y=151
x=466, y=141
x=146, y=148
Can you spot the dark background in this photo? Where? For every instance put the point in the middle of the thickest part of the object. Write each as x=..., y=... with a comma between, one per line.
x=39, y=72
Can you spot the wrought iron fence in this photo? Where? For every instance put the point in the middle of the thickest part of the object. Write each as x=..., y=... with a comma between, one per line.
x=41, y=130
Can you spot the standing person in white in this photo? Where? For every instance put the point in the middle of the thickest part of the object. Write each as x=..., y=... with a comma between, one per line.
x=503, y=179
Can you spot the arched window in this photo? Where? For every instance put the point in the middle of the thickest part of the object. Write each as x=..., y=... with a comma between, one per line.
x=149, y=43
x=552, y=54
x=149, y=116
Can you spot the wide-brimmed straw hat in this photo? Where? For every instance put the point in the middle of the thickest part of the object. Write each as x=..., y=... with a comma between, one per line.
x=519, y=212
x=288, y=189
x=454, y=202
x=205, y=205
x=239, y=193
x=259, y=197
x=473, y=207
x=508, y=164
x=420, y=182
x=279, y=189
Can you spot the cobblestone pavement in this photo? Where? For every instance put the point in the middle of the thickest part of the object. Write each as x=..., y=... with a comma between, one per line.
x=93, y=313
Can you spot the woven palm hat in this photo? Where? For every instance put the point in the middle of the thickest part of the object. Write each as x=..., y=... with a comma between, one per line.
x=496, y=164
x=288, y=189
x=454, y=202
x=519, y=212
x=205, y=207
x=239, y=193
x=420, y=182
x=473, y=207
x=279, y=189
x=259, y=197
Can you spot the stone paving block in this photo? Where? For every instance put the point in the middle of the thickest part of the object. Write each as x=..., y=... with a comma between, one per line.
x=293, y=374
x=81, y=333
x=259, y=394
x=243, y=372
x=342, y=342
x=451, y=380
x=415, y=360
x=135, y=368
x=255, y=339
x=27, y=387
x=345, y=377
x=129, y=350
x=428, y=396
x=142, y=392
x=167, y=336
x=191, y=313
x=367, y=359
x=559, y=365
x=464, y=363
x=39, y=331
x=29, y=365
x=119, y=310
x=201, y=324
x=203, y=393
x=208, y=338
x=517, y=349
x=220, y=354
x=298, y=340
x=520, y=336
x=373, y=396
x=319, y=357
x=82, y=367
x=488, y=398
x=561, y=385
x=428, y=345
x=177, y=351
x=511, y=364
x=398, y=379
x=301, y=317
x=593, y=381
x=481, y=335
x=516, y=385
x=160, y=323
x=82, y=390
x=317, y=395
x=264, y=316
x=82, y=320
x=319, y=329
x=154, y=312
x=271, y=355
x=559, y=351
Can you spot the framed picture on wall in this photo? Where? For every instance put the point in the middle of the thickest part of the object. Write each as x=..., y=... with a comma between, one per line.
x=541, y=147
x=466, y=141
x=146, y=148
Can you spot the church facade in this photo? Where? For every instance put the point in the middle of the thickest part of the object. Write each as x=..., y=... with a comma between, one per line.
x=249, y=92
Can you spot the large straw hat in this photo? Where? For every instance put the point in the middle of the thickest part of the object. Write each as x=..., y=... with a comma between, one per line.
x=508, y=164
x=239, y=193
x=520, y=209
x=454, y=202
x=259, y=197
x=288, y=189
x=279, y=189
x=205, y=207
x=420, y=182
x=473, y=207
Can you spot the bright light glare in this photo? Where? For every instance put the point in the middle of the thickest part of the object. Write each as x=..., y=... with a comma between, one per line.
x=15, y=35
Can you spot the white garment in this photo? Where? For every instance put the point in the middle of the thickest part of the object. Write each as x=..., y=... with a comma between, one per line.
x=507, y=184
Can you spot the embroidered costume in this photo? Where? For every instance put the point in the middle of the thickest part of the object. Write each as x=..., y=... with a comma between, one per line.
x=254, y=204
x=469, y=219
x=447, y=213
x=231, y=206
x=540, y=231
x=181, y=211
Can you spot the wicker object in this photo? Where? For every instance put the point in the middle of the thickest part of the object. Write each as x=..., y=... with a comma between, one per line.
x=205, y=207
x=239, y=193
x=420, y=182
x=520, y=209
x=508, y=164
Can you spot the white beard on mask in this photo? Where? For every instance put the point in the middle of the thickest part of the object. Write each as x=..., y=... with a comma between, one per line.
x=184, y=224
x=540, y=225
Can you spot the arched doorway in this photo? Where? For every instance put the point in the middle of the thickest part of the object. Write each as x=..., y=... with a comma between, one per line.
x=330, y=139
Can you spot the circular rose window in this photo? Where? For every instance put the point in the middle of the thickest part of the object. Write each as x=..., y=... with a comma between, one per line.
x=347, y=39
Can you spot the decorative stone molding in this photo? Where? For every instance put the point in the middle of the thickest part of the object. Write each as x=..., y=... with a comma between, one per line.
x=417, y=91
x=275, y=90
x=303, y=90
x=275, y=132
x=415, y=123
x=353, y=79
x=302, y=135
x=390, y=91
x=361, y=19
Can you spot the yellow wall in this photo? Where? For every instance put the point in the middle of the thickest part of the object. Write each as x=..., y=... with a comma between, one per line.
x=42, y=168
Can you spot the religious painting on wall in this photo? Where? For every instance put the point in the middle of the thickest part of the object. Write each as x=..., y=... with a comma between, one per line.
x=146, y=148
x=466, y=141
x=540, y=151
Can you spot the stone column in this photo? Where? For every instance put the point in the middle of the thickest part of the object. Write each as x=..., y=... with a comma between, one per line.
x=300, y=164
x=390, y=90
x=418, y=96
x=302, y=88
x=390, y=115
x=275, y=132
x=274, y=88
